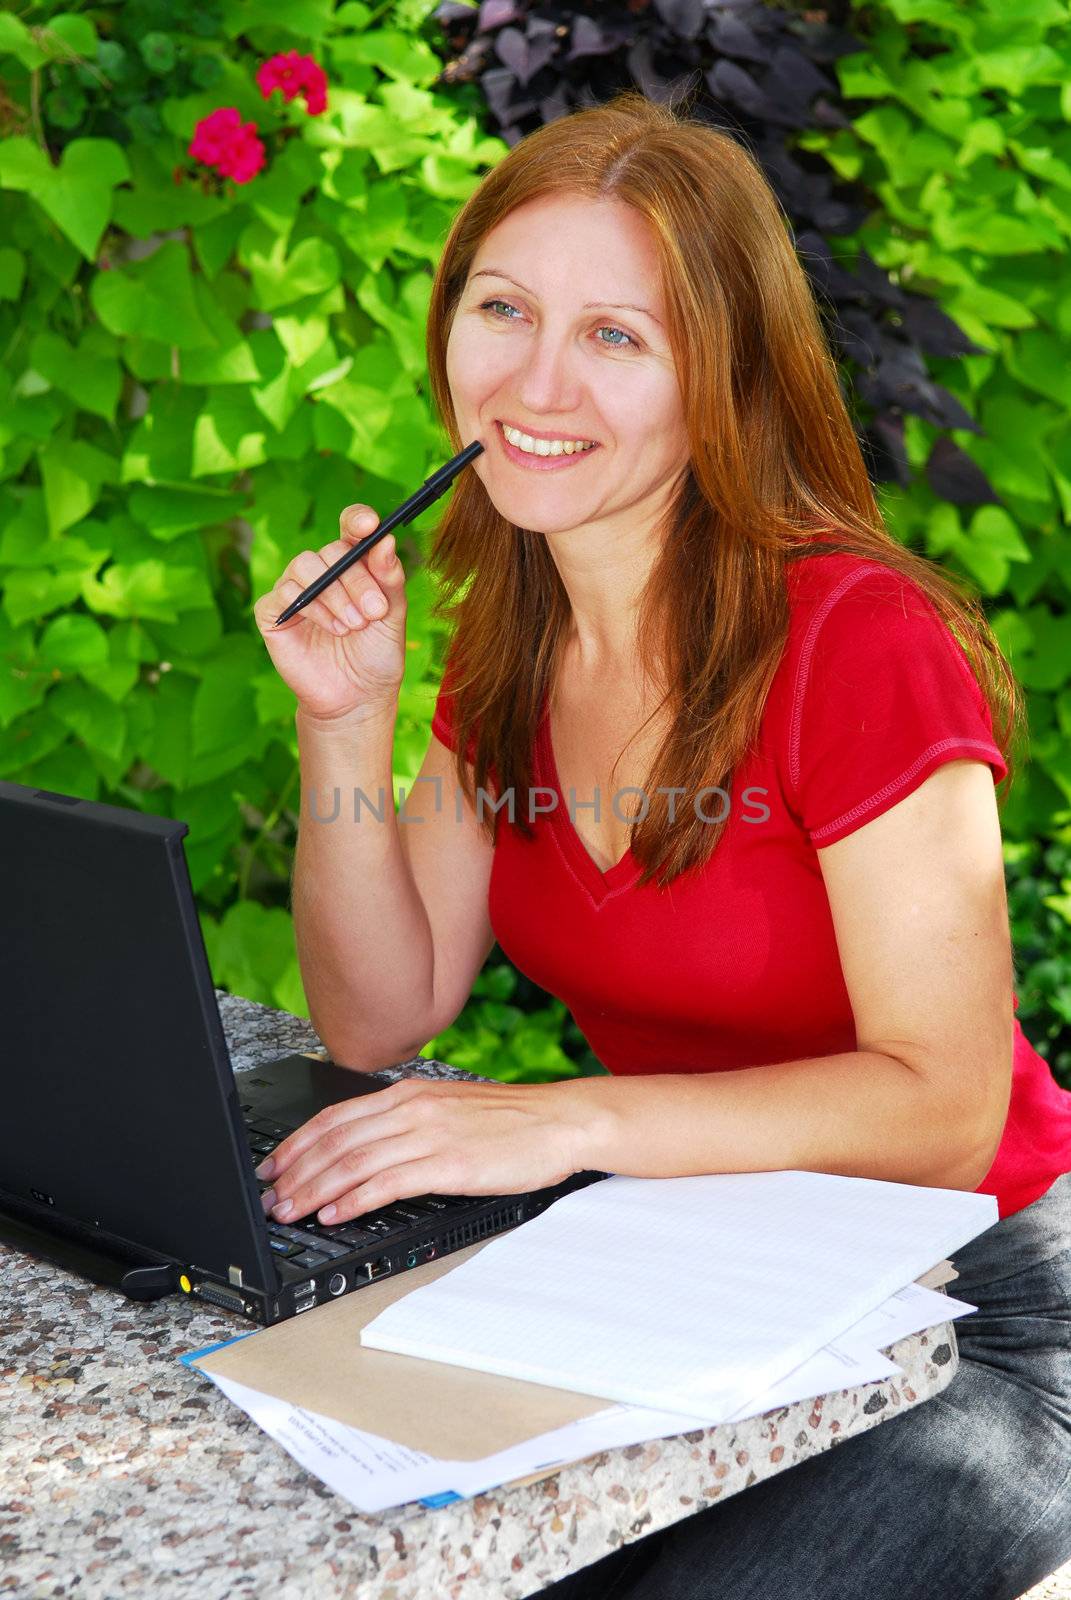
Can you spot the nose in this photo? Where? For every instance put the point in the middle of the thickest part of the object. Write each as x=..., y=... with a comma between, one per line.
x=549, y=381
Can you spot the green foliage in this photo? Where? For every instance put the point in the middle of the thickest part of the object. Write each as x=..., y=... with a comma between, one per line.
x=197, y=376
x=960, y=128
x=502, y=1039
x=1039, y=907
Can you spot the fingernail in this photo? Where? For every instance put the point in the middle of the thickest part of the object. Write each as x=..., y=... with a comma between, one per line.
x=375, y=605
x=266, y=1169
x=283, y=1209
x=267, y=1200
x=328, y=1213
x=352, y=616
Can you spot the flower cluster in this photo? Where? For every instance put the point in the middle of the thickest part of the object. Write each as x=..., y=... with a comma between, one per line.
x=222, y=140
x=295, y=74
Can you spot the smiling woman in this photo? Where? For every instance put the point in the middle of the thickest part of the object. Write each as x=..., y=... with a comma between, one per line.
x=668, y=581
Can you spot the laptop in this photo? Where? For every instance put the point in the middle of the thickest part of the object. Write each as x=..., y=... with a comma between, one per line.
x=128, y=1144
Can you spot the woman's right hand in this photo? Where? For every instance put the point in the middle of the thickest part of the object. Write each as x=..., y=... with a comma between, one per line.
x=338, y=665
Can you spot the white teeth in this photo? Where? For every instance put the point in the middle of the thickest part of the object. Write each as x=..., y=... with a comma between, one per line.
x=546, y=447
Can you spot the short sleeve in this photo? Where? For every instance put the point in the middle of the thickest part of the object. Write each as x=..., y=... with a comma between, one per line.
x=883, y=696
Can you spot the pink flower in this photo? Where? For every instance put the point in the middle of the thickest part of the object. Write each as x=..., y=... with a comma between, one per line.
x=222, y=140
x=294, y=74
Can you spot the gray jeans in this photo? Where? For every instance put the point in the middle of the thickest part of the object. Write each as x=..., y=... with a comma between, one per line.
x=965, y=1497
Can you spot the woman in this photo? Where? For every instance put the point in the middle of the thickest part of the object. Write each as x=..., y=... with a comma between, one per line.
x=776, y=909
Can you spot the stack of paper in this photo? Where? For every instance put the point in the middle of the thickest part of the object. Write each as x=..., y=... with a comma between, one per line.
x=682, y=1294
x=375, y=1473
x=801, y=1250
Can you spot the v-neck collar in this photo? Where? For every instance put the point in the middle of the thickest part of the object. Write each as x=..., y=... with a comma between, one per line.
x=598, y=885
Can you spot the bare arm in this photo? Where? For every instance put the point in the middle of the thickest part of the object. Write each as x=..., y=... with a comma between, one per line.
x=920, y=912
x=390, y=918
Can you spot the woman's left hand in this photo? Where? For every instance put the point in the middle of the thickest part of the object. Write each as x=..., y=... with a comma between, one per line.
x=419, y=1136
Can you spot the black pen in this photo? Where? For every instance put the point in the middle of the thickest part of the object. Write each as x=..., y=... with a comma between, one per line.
x=430, y=491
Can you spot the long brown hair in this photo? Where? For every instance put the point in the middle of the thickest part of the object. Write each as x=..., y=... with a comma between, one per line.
x=775, y=474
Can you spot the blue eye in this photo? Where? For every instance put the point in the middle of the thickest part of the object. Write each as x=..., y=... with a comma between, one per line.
x=609, y=327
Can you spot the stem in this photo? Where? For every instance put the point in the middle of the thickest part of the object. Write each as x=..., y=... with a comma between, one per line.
x=35, y=109
x=265, y=828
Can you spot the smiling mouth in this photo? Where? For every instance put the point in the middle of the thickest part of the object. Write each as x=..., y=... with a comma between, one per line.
x=589, y=445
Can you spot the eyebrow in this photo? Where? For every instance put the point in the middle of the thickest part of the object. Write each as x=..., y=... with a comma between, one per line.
x=590, y=305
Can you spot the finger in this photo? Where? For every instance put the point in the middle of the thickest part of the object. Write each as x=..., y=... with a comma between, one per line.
x=284, y=593
x=326, y=1122
x=348, y=1171
x=376, y=576
x=306, y=568
x=356, y=522
x=431, y=1174
x=381, y=563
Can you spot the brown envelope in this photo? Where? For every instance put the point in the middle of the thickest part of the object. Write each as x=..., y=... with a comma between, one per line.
x=317, y=1361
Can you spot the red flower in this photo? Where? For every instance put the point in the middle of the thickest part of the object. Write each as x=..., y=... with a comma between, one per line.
x=294, y=74
x=222, y=140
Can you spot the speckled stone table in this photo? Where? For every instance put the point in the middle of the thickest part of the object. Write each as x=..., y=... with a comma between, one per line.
x=124, y=1473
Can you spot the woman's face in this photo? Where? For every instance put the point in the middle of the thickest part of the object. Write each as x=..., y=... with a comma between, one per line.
x=560, y=333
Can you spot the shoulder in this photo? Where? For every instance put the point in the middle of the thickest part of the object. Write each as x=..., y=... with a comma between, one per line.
x=845, y=608
x=817, y=584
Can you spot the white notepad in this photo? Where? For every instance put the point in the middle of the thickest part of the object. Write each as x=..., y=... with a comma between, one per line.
x=689, y=1295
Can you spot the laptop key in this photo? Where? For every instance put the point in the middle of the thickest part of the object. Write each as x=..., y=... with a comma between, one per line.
x=309, y=1258
x=329, y=1247
x=302, y=1235
x=355, y=1237
x=410, y=1211
x=284, y=1247
x=383, y=1225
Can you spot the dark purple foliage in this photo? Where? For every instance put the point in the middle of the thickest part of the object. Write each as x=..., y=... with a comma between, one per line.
x=760, y=74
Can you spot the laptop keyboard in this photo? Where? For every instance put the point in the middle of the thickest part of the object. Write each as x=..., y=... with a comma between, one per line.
x=311, y=1243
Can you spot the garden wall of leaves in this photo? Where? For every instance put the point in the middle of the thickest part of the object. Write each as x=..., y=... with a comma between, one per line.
x=218, y=224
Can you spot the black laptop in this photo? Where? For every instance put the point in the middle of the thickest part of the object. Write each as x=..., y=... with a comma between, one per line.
x=127, y=1143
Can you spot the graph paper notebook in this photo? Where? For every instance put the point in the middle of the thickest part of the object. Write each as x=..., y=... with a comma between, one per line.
x=682, y=1294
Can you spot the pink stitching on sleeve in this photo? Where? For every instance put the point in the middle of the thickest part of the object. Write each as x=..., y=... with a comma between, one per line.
x=905, y=777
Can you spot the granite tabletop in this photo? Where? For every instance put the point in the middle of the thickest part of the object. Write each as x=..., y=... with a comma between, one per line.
x=124, y=1473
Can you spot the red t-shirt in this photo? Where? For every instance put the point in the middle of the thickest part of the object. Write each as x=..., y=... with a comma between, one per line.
x=736, y=963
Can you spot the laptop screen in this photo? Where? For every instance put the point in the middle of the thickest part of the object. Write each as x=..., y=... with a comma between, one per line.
x=120, y=1109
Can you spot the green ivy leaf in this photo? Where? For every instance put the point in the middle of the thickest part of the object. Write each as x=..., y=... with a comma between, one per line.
x=93, y=380
x=305, y=19
x=72, y=642
x=12, y=272
x=146, y=589
x=225, y=704
x=16, y=40
x=169, y=510
x=73, y=474
x=68, y=35
x=397, y=54
x=154, y=298
x=280, y=278
x=97, y=721
x=30, y=595
x=77, y=194
x=228, y=436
